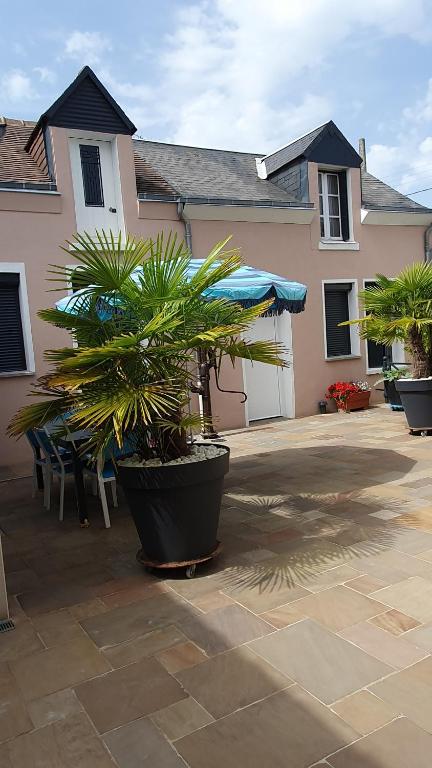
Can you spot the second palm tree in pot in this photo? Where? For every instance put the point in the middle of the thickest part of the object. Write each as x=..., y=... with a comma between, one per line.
x=138, y=321
x=400, y=309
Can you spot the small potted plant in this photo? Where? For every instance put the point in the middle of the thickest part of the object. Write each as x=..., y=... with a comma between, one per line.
x=400, y=309
x=391, y=395
x=349, y=395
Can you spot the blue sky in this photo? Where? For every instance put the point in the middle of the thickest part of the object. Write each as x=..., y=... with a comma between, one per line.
x=239, y=74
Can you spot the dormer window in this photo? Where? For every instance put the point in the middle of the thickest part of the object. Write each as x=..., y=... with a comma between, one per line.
x=333, y=205
x=329, y=203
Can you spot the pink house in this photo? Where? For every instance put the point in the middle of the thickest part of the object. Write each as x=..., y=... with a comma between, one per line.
x=308, y=211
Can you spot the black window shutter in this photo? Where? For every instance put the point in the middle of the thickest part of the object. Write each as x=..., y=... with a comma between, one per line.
x=337, y=311
x=343, y=198
x=91, y=173
x=376, y=351
x=12, y=351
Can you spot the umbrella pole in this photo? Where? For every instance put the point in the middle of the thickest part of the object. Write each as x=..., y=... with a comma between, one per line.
x=207, y=431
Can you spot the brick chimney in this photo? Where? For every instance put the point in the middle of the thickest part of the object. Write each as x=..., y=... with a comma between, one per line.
x=362, y=153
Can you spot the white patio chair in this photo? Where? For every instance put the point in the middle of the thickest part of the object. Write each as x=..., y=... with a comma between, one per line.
x=101, y=473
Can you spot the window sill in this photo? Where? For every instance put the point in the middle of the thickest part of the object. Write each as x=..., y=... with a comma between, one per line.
x=342, y=357
x=373, y=371
x=338, y=245
x=10, y=374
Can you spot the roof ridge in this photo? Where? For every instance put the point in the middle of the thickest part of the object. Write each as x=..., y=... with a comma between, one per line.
x=16, y=121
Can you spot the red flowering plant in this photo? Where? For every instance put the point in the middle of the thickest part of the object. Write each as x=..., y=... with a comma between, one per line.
x=340, y=392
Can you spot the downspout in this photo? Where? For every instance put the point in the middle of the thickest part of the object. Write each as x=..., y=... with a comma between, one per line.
x=186, y=223
x=427, y=244
x=202, y=387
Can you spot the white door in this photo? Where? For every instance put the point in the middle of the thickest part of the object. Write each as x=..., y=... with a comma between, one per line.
x=264, y=383
x=94, y=187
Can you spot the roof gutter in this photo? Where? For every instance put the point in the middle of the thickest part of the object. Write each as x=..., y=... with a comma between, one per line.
x=196, y=200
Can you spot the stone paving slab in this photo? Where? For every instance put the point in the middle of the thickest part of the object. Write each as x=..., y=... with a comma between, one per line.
x=307, y=642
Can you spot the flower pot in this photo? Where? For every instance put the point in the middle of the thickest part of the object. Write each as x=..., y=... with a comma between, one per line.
x=356, y=401
x=176, y=507
x=416, y=396
x=391, y=395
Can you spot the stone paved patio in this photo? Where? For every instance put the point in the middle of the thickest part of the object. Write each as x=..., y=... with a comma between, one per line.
x=307, y=642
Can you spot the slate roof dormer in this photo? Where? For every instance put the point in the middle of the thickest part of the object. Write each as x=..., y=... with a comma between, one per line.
x=85, y=104
x=325, y=144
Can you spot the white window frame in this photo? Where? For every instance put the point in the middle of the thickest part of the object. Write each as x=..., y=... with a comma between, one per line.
x=334, y=244
x=19, y=268
x=398, y=348
x=353, y=310
x=69, y=292
x=324, y=194
x=69, y=282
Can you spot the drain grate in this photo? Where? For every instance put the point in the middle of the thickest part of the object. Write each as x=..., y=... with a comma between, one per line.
x=6, y=625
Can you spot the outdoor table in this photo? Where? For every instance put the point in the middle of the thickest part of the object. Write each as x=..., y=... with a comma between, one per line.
x=72, y=442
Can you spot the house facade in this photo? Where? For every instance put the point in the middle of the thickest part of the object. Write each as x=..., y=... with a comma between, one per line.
x=308, y=211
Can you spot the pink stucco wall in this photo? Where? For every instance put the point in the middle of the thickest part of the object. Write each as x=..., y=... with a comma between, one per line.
x=33, y=226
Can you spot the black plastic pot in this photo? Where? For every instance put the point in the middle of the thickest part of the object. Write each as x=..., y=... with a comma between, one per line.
x=176, y=508
x=391, y=394
x=416, y=397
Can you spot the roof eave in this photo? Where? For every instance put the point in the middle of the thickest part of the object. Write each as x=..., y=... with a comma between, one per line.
x=396, y=217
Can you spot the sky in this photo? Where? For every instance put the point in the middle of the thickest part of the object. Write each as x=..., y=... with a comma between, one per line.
x=248, y=75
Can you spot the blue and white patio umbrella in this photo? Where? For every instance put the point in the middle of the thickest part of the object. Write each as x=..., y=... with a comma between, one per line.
x=246, y=286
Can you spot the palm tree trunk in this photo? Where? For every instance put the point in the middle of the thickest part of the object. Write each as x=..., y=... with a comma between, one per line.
x=421, y=360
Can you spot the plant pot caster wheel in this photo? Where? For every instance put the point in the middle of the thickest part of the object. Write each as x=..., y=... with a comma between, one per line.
x=152, y=566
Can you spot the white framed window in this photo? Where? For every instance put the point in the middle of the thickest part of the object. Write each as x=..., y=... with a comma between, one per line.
x=375, y=352
x=16, y=343
x=340, y=303
x=70, y=283
x=330, y=205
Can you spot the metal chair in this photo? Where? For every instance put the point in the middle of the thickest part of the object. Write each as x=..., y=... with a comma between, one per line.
x=38, y=461
x=58, y=463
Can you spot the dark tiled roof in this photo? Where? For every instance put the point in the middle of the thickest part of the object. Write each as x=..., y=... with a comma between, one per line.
x=16, y=165
x=292, y=151
x=379, y=196
x=210, y=173
x=149, y=181
x=167, y=170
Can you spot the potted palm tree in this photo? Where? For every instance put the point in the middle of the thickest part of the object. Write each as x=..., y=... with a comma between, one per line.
x=138, y=321
x=400, y=309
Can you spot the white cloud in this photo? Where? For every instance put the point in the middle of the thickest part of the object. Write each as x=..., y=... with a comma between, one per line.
x=46, y=75
x=231, y=67
x=232, y=72
x=16, y=87
x=407, y=162
x=421, y=111
x=86, y=47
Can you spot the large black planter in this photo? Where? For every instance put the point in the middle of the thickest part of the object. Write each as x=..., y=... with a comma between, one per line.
x=416, y=396
x=176, y=508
